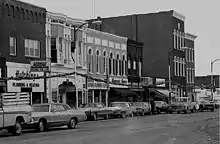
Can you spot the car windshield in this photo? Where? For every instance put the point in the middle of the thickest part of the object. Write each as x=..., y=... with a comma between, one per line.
x=119, y=105
x=40, y=108
x=137, y=104
x=67, y=107
x=158, y=103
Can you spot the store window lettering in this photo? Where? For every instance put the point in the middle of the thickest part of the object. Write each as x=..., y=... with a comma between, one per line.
x=23, y=74
x=19, y=84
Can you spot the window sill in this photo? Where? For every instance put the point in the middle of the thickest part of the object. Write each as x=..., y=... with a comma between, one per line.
x=13, y=55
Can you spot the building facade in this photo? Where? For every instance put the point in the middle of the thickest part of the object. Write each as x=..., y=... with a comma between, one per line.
x=22, y=40
x=66, y=56
x=163, y=35
x=135, y=65
x=190, y=63
x=106, y=59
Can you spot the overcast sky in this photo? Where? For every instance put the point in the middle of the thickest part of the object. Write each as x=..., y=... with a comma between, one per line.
x=202, y=19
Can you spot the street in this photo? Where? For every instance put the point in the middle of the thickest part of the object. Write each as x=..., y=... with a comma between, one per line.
x=196, y=128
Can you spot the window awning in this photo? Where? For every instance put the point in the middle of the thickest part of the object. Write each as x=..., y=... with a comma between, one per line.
x=165, y=92
x=125, y=92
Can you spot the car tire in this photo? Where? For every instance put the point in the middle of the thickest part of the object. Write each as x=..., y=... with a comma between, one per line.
x=72, y=123
x=17, y=129
x=170, y=112
x=185, y=111
x=212, y=109
x=41, y=126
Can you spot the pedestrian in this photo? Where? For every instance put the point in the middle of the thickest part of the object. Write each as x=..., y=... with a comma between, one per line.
x=152, y=106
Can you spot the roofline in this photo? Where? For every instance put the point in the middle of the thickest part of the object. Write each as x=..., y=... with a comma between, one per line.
x=30, y=4
x=190, y=36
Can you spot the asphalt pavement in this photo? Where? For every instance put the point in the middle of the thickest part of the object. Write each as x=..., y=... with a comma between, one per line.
x=196, y=128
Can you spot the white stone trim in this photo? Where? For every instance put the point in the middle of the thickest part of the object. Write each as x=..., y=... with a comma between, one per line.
x=179, y=16
x=190, y=36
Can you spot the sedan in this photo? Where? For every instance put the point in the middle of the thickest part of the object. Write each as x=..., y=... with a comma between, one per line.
x=141, y=108
x=161, y=106
x=96, y=110
x=53, y=115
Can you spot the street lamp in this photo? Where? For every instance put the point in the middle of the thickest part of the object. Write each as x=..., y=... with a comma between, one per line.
x=212, y=62
x=76, y=29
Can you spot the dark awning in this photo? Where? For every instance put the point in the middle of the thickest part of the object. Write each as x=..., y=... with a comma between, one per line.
x=125, y=92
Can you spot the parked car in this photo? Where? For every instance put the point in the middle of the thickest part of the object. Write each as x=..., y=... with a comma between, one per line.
x=206, y=105
x=161, y=106
x=141, y=108
x=122, y=109
x=52, y=115
x=94, y=111
x=181, y=104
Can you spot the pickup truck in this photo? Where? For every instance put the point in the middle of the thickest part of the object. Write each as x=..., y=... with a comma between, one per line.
x=15, y=112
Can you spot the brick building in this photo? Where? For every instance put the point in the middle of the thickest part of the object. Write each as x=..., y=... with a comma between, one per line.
x=190, y=63
x=22, y=39
x=106, y=56
x=163, y=35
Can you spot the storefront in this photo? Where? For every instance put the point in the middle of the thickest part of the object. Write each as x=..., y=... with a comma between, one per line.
x=35, y=87
x=97, y=92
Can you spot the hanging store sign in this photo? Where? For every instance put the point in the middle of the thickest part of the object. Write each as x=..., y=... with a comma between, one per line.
x=37, y=66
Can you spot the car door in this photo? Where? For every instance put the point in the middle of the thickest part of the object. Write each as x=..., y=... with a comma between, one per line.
x=55, y=118
x=63, y=114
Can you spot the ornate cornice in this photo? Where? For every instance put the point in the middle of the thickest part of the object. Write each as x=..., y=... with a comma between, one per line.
x=178, y=16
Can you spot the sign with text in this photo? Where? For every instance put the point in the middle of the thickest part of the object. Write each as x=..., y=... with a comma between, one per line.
x=22, y=71
x=37, y=66
x=97, y=85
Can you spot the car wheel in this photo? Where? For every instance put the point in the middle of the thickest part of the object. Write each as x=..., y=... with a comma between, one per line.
x=41, y=126
x=186, y=111
x=106, y=117
x=17, y=129
x=170, y=112
x=212, y=109
x=72, y=123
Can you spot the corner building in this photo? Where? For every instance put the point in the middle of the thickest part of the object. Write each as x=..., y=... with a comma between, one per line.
x=22, y=40
x=106, y=58
x=66, y=56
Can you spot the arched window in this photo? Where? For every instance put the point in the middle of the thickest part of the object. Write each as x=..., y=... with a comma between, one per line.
x=89, y=60
x=27, y=15
x=110, y=63
x=22, y=14
x=32, y=16
x=117, y=64
x=123, y=65
x=97, y=62
x=7, y=10
x=18, y=13
x=104, y=61
x=12, y=11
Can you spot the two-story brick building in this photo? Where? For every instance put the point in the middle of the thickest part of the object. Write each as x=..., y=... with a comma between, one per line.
x=22, y=40
x=106, y=58
x=66, y=56
x=163, y=36
x=190, y=63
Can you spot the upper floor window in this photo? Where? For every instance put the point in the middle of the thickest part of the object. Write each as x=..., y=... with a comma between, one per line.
x=97, y=62
x=129, y=64
x=140, y=68
x=32, y=48
x=123, y=65
x=104, y=61
x=134, y=64
x=12, y=42
x=90, y=61
x=117, y=65
x=111, y=64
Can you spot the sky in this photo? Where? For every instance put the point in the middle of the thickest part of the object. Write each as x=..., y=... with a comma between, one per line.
x=202, y=20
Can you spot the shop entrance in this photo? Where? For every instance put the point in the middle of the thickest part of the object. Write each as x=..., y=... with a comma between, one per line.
x=71, y=99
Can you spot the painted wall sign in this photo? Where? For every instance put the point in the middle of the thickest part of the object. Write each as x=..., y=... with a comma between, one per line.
x=20, y=70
